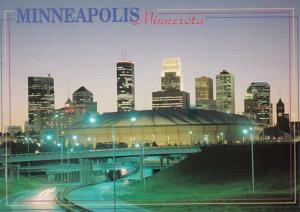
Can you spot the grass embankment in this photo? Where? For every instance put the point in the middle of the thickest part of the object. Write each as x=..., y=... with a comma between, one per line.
x=219, y=174
x=23, y=184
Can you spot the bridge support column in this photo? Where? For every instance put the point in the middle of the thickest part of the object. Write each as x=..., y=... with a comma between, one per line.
x=161, y=162
x=18, y=172
x=168, y=161
x=85, y=171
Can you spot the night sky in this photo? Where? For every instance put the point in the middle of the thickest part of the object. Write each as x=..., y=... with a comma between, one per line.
x=85, y=54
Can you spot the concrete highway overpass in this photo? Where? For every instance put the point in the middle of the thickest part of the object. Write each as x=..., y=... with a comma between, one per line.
x=105, y=153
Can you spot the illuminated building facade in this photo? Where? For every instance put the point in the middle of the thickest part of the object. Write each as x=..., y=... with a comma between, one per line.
x=171, y=95
x=40, y=100
x=164, y=127
x=262, y=107
x=125, y=86
x=204, y=93
x=225, y=94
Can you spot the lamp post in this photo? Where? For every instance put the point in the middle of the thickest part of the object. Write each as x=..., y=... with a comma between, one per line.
x=114, y=164
x=49, y=138
x=222, y=137
x=252, y=160
x=61, y=151
x=141, y=145
x=245, y=131
x=133, y=119
x=27, y=139
x=191, y=137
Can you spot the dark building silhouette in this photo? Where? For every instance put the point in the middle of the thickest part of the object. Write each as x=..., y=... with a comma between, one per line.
x=83, y=100
x=282, y=118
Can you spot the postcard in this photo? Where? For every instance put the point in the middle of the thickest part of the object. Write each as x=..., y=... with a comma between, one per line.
x=149, y=105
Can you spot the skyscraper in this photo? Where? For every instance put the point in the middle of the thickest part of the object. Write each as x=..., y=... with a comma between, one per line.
x=262, y=107
x=225, y=92
x=171, y=95
x=83, y=100
x=40, y=100
x=125, y=86
x=249, y=106
x=204, y=93
x=171, y=78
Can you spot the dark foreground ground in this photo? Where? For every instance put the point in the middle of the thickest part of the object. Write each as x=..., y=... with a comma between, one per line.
x=219, y=179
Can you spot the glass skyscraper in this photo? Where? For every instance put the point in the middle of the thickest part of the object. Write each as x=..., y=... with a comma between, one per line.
x=40, y=99
x=171, y=78
x=171, y=95
x=204, y=93
x=262, y=107
x=225, y=92
x=125, y=86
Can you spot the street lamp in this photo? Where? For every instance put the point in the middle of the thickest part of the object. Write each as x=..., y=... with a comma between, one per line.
x=206, y=138
x=27, y=139
x=49, y=138
x=133, y=119
x=114, y=163
x=245, y=131
x=252, y=160
x=222, y=137
x=142, y=158
x=74, y=137
x=191, y=137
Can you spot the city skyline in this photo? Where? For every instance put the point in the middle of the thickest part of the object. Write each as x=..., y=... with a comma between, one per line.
x=252, y=50
x=101, y=112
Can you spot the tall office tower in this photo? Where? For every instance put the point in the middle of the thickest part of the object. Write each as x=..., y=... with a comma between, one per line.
x=204, y=93
x=171, y=95
x=262, y=105
x=40, y=100
x=125, y=86
x=249, y=106
x=83, y=100
x=225, y=92
x=171, y=78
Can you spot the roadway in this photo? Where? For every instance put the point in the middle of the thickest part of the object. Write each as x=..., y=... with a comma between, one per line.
x=103, y=153
x=100, y=198
x=36, y=199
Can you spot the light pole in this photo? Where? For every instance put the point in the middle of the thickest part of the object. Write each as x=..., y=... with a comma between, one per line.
x=61, y=152
x=49, y=138
x=191, y=137
x=141, y=145
x=114, y=164
x=206, y=138
x=245, y=131
x=252, y=160
x=222, y=137
x=27, y=139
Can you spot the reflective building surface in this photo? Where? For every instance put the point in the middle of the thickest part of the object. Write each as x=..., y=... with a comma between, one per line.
x=40, y=99
x=125, y=86
x=225, y=92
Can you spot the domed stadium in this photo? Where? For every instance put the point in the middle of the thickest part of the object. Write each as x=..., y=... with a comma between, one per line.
x=164, y=127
